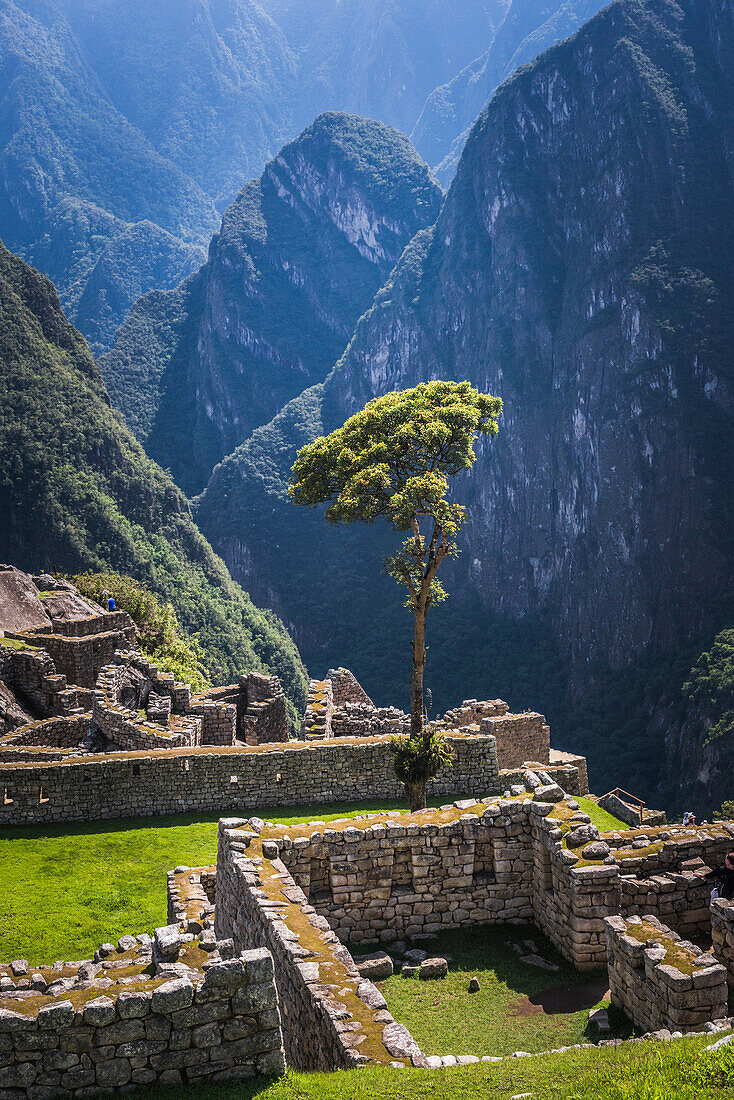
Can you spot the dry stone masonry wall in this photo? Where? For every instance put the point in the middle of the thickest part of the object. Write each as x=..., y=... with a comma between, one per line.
x=227, y=780
x=661, y=981
x=103, y=1025
x=332, y=1018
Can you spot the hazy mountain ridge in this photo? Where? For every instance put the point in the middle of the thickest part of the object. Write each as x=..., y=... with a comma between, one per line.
x=127, y=124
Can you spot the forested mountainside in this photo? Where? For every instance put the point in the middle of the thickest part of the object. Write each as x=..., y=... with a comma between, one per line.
x=299, y=258
x=127, y=126
x=529, y=28
x=581, y=270
x=77, y=492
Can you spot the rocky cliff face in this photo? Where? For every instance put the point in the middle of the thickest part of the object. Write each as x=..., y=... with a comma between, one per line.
x=298, y=259
x=577, y=271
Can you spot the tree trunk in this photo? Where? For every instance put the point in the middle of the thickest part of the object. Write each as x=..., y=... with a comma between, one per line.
x=417, y=726
x=416, y=795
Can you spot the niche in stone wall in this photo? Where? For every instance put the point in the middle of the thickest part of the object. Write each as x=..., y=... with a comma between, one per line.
x=402, y=869
x=546, y=870
x=484, y=870
x=319, y=888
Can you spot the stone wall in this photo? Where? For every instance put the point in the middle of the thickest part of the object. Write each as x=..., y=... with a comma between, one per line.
x=661, y=981
x=471, y=712
x=630, y=813
x=32, y=676
x=347, y=689
x=127, y=728
x=316, y=725
x=332, y=1019
x=722, y=934
x=218, y=722
x=521, y=738
x=229, y=780
x=62, y=733
x=81, y=648
x=361, y=720
x=416, y=875
x=263, y=717
x=80, y=1036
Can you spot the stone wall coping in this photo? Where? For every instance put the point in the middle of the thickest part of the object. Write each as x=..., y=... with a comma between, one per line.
x=335, y=746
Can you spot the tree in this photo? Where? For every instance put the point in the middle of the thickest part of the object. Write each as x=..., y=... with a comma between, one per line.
x=393, y=461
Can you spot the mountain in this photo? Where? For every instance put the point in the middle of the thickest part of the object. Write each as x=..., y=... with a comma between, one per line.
x=529, y=27
x=381, y=58
x=77, y=492
x=127, y=126
x=299, y=257
x=581, y=270
x=209, y=83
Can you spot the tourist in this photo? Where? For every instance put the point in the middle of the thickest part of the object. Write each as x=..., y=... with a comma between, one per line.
x=111, y=605
x=723, y=878
x=689, y=818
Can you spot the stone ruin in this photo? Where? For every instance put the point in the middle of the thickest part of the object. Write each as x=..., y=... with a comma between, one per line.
x=254, y=970
x=90, y=728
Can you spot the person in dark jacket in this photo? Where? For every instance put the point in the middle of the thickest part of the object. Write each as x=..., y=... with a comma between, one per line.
x=723, y=879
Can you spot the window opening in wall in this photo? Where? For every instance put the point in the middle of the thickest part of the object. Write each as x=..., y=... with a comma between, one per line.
x=546, y=870
x=402, y=870
x=136, y=769
x=484, y=871
x=7, y=800
x=185, y=765
x=42, y=796
x=320, y=881
x=233, y=779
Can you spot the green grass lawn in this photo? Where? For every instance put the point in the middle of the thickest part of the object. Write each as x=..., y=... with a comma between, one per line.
x=519, y=1006
x=644, y=1071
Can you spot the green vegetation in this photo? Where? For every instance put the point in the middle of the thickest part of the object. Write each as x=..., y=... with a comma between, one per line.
x=642, y=1071
x=604, y=821
x=160, y=636
x=710, y=687
x=518, y=1006
x=78, y=494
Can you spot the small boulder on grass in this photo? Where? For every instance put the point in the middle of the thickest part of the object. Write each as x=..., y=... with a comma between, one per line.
x=375, y=967
x=433, y=968
x=474, y=985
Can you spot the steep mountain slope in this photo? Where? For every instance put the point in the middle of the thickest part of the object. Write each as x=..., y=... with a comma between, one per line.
x=209, y=82
x=381, y=58
x=299, y=257
x=78, y=493
x=76, y=178
x=529, y=27
x=581, y=270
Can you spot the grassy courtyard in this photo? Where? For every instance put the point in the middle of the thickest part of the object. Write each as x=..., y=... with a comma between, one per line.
x=518, y=1007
